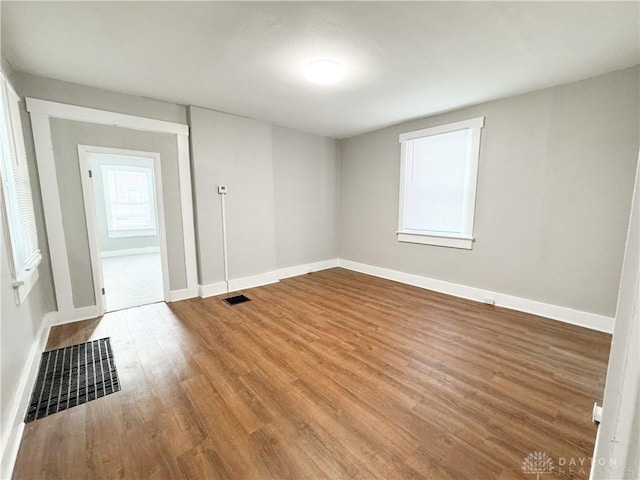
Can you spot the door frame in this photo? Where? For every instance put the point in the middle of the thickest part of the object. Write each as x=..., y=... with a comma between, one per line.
x=42, y=112
x=88, y=194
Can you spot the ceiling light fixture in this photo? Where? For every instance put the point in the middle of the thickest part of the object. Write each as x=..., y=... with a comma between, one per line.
x=324, y=72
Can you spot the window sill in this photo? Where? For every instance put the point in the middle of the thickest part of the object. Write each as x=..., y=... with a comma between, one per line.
x=465, y=243
x=134, y=232
x=21, y=289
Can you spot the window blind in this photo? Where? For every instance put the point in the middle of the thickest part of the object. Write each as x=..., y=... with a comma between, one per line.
x=436, y=184
x=18, y=211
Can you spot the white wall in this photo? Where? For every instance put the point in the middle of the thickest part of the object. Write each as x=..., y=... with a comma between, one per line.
x=306, y=175
x=554, y=192
x=75, y=94
x=618, y=446
x=20, y=326
x=282, y=200
x=236, y=152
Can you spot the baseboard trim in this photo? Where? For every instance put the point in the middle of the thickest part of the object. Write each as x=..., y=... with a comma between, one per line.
x=129, y=251
x=86, y=313
x=10, y=454
x=267, y=278
x=76, y=315
x=589, y=320
x=11, y=443
x=253, y=281
x=236, y=284
x=596, y=449
x=183, y=294
x=212, y=289
x=297, y=270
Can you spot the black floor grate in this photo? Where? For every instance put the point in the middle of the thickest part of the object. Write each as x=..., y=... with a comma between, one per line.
x=72, y=376
x=237, y=299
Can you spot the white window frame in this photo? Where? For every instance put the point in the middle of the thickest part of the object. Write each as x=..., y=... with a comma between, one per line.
x=23, y=259
x=112, y=230
x=465, y=239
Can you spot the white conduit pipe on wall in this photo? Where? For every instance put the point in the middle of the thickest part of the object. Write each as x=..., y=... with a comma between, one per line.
x=222, y=190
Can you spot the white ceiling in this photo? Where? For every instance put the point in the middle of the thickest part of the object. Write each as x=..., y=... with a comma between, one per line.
x=402, y=60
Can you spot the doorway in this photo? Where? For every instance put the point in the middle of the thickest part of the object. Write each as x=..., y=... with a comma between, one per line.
x=122, y=192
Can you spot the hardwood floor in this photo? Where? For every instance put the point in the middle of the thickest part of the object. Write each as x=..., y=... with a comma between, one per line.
x=329, y=375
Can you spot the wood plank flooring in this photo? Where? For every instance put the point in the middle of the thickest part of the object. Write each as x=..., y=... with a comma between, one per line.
x=329, y=375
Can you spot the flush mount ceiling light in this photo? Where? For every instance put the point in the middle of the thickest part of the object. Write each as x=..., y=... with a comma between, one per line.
x=324, y=72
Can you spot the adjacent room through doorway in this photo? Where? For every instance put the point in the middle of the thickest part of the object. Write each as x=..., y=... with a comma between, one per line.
x=127, y=229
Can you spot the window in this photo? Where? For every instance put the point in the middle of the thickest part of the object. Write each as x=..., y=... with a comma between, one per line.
x=129, y=201
x=438, y=172
x=19, y=220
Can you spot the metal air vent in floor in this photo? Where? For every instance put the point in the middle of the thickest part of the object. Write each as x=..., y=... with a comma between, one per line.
x=236, y=300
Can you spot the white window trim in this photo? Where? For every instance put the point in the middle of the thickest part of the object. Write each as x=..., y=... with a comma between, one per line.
x=22, y=288
x=466, y=239
x=23, y=277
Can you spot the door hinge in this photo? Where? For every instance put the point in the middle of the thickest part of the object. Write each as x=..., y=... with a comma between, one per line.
x=103, y=290
x=90, y=174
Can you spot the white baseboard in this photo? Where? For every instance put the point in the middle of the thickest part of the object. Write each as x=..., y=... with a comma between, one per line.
x=307, y=268
x=596, y=449
x=593, y=321
x=575, y=317
x=267, y=278
x=13, y=435
x=183, y=294
x=212, y=289
x=236, y=284
x=86, y=313
x=253, y=281
x=129, y=251
x=76, y=315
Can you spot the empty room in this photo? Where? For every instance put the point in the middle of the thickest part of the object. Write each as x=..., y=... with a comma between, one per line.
x=320, y=240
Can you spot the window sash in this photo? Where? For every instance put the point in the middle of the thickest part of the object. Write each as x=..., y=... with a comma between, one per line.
x=21, y=233
x=436, y=183
x=115, y=228
x=467, y=207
